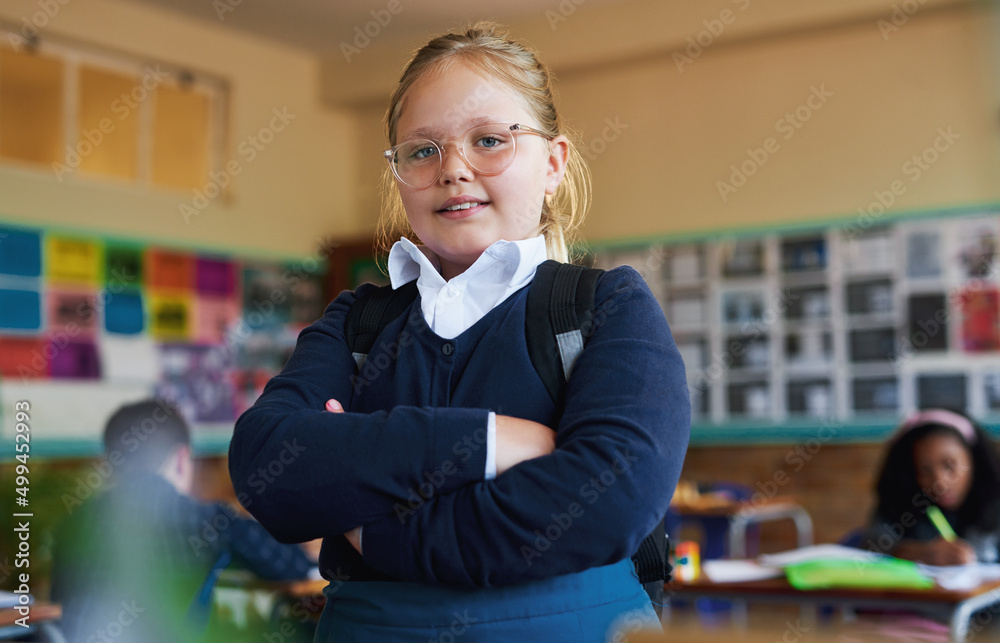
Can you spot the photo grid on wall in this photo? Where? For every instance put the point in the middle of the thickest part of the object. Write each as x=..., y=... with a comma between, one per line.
x=205, y=331
x=854, y=323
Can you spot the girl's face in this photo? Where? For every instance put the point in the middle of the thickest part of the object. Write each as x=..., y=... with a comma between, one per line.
x=944, y=469
x=442, y=106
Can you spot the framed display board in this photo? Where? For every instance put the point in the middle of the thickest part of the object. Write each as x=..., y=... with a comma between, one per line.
x=846, y=327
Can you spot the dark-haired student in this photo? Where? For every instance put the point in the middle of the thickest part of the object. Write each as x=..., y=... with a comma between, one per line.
x=138, y=562
x=941, y=458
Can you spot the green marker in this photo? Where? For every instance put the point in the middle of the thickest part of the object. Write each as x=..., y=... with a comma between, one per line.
x=942, y=525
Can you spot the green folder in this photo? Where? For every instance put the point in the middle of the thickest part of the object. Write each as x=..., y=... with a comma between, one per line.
x=884, y=572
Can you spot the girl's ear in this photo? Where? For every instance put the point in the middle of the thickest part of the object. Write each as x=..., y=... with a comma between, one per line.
x=556, y=165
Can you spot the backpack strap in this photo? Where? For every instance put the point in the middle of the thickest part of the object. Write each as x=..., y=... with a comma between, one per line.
x=372, y=312
x=560, y=307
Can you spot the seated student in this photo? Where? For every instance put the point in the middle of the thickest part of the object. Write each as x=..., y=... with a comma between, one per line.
x=938, y=457
x=137, y=562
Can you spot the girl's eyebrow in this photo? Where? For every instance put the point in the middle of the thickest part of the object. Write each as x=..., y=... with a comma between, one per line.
x=423, y=132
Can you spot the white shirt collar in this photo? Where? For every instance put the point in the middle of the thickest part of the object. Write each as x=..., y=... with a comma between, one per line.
x=451, y=307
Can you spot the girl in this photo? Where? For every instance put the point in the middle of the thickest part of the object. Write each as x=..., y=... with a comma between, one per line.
x=938, y=457
x=454, y=496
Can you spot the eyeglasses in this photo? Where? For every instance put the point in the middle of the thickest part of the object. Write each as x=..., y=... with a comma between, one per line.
x=488, y=149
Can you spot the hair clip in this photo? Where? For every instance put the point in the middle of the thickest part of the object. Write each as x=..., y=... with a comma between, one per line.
x=938, y=416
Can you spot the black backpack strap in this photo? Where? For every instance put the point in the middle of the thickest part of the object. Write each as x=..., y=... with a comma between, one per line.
x=651, y=560
x=560, y=308
x=560, y=313
x=372, y=312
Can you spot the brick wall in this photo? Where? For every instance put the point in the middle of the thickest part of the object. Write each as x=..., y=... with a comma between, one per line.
x=833, y=482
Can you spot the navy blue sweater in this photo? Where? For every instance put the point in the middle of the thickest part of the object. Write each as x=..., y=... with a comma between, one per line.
x=406, y=460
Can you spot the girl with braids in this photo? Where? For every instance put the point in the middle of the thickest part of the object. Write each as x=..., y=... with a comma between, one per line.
x=938, y=458
x=455, y=497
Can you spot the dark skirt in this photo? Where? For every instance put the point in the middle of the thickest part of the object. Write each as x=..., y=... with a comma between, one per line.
x=595, y=606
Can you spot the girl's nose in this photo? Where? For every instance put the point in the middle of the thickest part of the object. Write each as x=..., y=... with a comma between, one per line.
x=454, y=168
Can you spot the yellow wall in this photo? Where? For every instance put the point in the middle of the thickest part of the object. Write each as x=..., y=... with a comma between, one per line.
x=888, y=101
x=679, y=131
x=298, y=187
x=657, y=177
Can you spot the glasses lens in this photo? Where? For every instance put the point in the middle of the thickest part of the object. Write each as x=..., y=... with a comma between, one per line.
x=489, y=149
x=417, y=162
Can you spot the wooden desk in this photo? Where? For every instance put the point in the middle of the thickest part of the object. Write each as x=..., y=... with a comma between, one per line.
x=301, y=599
x=963, y=604
x=42, y=620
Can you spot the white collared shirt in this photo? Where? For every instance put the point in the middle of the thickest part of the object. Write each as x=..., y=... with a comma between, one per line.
x=452, y=307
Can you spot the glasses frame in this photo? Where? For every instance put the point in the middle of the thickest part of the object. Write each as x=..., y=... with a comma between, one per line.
x=513, y=128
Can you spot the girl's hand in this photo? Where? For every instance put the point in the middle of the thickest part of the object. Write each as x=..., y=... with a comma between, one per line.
x=936, y=552
x=354, y=535
x=519, y=440
x=955, y=552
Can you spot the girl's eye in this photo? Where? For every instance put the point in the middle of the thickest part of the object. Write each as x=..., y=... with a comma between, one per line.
x=422, y=152
x=489, y=141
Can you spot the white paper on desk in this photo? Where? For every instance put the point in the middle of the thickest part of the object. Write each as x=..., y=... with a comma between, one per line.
x=962, y=577
x=816, y=552
x=737, y=571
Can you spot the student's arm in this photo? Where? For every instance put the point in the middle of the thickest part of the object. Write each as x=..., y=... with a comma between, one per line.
x=620, y=446
x=253, y=548
x=305, y=473
x=936, y=552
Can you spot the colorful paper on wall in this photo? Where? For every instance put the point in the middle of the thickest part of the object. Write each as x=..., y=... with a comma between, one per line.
x=74, y=312
x=20, y=309
x=215, y=277
x=123, y=313
x=123, y=267
x=75, y=360
x=196, y=379
x=170, y=270
x=307, y=298
x=266, y=297
x=980, y=317
x=20, y=252
x=215, y=317
x=73, y=260
x=23, y=358
x=170, y=317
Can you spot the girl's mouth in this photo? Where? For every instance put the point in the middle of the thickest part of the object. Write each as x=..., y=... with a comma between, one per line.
x=462, y=210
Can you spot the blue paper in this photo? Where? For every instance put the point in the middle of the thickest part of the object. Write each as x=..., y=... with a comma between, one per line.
x=20, y=309
x=20, y=252
x=123, y=313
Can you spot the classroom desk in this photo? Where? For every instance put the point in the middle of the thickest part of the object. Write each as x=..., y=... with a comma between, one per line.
x=742, y=514
x=284, y=595
x=963, y=604
x=42, y=621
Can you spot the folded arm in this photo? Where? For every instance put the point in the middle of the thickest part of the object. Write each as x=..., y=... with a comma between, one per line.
x=620, y=446
x=305, y=473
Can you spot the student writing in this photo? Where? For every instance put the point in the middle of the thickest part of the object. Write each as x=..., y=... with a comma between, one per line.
x=938, y=458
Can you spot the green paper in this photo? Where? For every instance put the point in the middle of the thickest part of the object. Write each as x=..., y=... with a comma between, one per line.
x=882, y=572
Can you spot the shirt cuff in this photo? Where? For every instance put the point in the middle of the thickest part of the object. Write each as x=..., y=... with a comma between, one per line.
x=491, y=447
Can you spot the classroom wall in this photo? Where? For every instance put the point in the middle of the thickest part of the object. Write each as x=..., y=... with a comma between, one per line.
x=298, y=188
x=661, y=132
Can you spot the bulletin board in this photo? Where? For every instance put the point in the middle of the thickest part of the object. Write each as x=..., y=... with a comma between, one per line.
x=88, y=323
x=836, y=330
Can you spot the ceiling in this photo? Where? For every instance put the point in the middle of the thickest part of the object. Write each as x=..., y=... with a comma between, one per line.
x=319, y=26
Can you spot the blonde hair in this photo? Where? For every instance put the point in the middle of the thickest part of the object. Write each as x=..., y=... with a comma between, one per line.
x=488, y=50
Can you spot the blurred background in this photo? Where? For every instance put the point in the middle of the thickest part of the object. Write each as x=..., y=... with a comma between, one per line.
x=185, y=184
